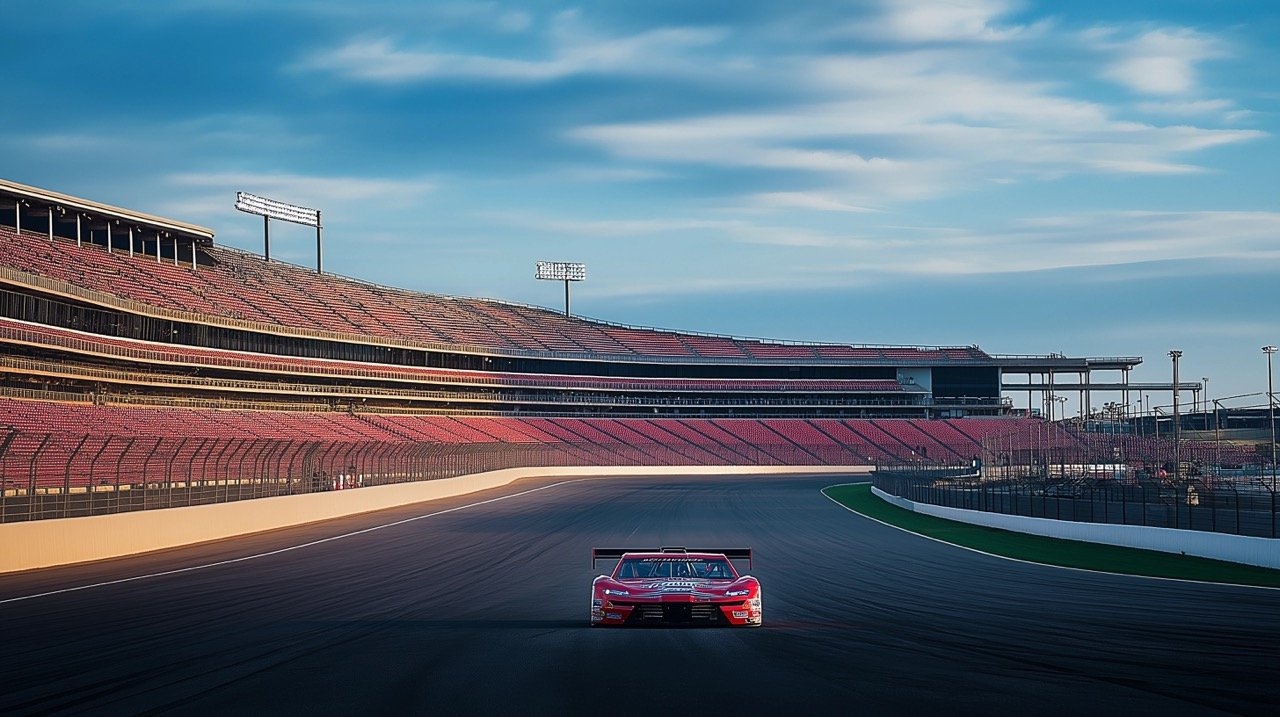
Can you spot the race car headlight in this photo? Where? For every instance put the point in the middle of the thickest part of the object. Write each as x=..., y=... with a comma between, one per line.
x=614, y=591
x=736, y=593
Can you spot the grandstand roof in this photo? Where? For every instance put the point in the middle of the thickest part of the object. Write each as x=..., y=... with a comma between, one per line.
x=99, y=210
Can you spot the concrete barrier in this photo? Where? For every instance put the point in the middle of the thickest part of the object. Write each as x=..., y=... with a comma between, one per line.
x=61, y=541
x=1245, y=549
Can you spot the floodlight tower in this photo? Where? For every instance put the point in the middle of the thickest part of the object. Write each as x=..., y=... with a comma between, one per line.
x=1271, y=413
x=1176, y=354
x=565, y=271
x=269, y=209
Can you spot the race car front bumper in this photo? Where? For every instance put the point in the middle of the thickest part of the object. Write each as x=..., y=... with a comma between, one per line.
x=676, y=610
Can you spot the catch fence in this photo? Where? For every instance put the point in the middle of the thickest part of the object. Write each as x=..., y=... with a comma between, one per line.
x=1046, y=470
x=57, y=475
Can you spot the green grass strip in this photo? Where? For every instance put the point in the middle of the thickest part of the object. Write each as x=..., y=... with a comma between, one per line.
x=1053, y=551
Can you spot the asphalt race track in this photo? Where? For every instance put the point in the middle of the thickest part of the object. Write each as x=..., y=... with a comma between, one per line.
x=483, y=610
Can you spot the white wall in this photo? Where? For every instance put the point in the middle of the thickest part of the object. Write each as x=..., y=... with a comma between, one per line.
x=59, y=541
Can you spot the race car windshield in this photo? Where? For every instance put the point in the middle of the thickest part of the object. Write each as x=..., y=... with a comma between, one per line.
x=701, y=568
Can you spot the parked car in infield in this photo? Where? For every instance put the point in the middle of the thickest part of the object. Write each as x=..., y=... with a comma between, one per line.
x=675, y=586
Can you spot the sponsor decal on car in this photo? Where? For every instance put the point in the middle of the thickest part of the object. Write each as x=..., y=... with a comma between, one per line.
x=672, y=585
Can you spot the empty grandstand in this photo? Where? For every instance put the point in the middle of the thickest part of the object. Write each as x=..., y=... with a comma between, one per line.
x=134, y=345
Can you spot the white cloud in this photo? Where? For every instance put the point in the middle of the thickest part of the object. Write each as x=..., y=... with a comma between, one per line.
x=1106, y=238
x=1160, y=62
x=1107, y=247
x=1142, y=166
x=907, y=125
x=450, y=14
x=207, y=198
x=69, y=142
x=219, y=132
x=944, y=20
x=514, y=21
x=804, y=200
x=300, y=188
x=608, y=174
x=576, y=52
x=623, y=227
x=1096, y=240
x=1190, y=108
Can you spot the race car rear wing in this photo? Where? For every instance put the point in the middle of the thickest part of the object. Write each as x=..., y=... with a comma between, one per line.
x=598, y=554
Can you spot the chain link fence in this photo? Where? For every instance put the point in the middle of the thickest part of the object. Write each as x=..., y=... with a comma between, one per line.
x=1046, y=470
x=55, y=475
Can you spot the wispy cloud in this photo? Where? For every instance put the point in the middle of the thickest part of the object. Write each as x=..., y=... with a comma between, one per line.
x=944, y=20
x=575, y=51
x=217, y=133
x=805, y=200
x=1189, y=108
x=1100, y=239
x=1097, y=240
x=1158, y=62
x=487, y=14
x=906, y=125
x=311, y=188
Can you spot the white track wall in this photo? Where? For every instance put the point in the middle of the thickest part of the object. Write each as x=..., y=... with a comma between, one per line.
x=1264, y=552
x=59, y=541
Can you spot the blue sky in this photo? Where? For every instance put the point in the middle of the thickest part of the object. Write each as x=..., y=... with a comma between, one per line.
x=1091, y=178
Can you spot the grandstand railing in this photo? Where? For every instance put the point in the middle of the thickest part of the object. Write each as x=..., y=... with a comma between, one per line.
x=222, y=358
x=58, y=287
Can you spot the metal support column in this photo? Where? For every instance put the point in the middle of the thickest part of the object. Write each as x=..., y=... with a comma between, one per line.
x=1053, y=395
x=1271, y=422
x=1085, y=397
x=1125, y=392
x=1175, y=354
x=319, y=247
x=1204, y=405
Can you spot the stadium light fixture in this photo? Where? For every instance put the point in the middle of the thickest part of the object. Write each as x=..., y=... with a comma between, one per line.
x=565, y=271
x=1271, y=413
x=270, y=209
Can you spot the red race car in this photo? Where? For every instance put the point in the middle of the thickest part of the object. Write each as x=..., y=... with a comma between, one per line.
x=675, y=586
